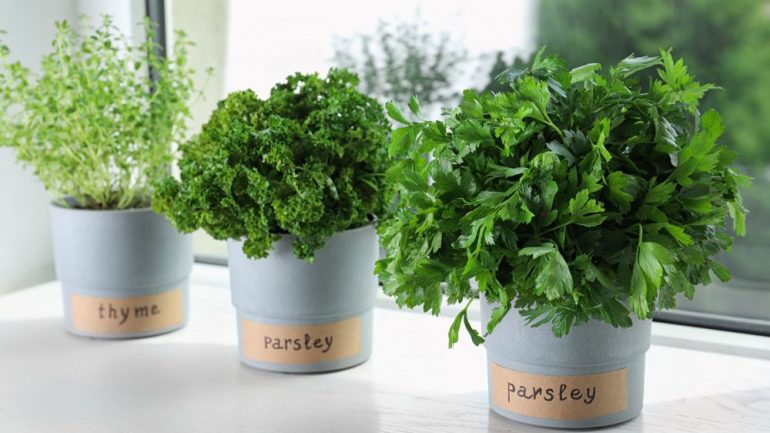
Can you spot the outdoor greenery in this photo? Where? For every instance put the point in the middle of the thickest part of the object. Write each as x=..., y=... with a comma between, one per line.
x=724, y=42
x=574, y=195
x=402, y=60
x=308, y=161
x=93, y=125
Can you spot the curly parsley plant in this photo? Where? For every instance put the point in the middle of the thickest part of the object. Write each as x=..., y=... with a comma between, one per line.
x=94, y=124
x=577, y=194
x=308, y=161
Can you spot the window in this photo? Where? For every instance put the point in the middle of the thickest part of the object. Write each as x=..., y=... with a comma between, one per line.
x=436, y=48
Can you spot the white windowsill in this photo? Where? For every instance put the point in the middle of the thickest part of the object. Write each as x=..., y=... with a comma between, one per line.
x=191, y=380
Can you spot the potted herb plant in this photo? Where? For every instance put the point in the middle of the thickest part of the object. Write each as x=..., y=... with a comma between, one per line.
x=580, y=198
x=294, y=182
x=98, y=132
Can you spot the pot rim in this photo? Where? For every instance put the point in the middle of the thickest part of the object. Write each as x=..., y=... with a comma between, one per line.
x=59, y=208
x=282, y=236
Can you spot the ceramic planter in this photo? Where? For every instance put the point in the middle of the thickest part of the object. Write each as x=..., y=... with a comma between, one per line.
x=124, y=273
x=592, y=377
x=297, y=317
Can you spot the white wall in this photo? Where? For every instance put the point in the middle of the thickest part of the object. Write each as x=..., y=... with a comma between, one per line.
x=25, y=235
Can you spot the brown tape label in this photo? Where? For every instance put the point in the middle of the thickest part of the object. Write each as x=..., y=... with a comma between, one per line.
x=560, y=397
x=301, y=344
x=100, y=315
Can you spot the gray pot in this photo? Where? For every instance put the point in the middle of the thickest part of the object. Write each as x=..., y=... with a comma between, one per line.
x=595, y=374
x=124, y=273
x=296, y=317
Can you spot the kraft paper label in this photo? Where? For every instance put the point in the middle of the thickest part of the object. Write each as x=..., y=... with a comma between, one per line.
x=101, y=315
x=560, y=397
x=301, y=344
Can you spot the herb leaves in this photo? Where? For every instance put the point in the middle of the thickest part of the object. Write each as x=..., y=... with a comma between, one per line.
x=578, y=194
x=93, y=123
x=308, y=161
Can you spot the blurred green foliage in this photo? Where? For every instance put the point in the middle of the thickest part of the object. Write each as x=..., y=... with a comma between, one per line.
x=403, y=59
x=724, y=42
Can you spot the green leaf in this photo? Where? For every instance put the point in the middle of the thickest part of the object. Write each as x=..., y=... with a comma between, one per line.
x=680, y=284
x=560, y=150
x=471, y=105
x=584, y=73
x=395, y=113
x=401, y=139
x=536, y=92
x=497, y=316
x=659, y=193
x=562, y=322
x=412, y=180
x=700, y=147
x=651, y=258
x=602, y=132
x=623, y=189
x=632, y=64
x=738, y=215
x=679, y=234
x=414, y=106
x=545, y=312
x=638, y=299
x=454, y=330
x=538, y=251
x=555, y=279
x=468, y=136
x=593, y=273
x=584, y=211
x=500, y=171
x=476, y=338
x=720, y=271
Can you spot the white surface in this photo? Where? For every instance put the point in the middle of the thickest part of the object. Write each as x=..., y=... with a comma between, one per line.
x=127, y=15
x=191, y=381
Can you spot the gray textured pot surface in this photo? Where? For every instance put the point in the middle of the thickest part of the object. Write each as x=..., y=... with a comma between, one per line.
x=124, y=273
x=296, y=317
x=592, y=377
